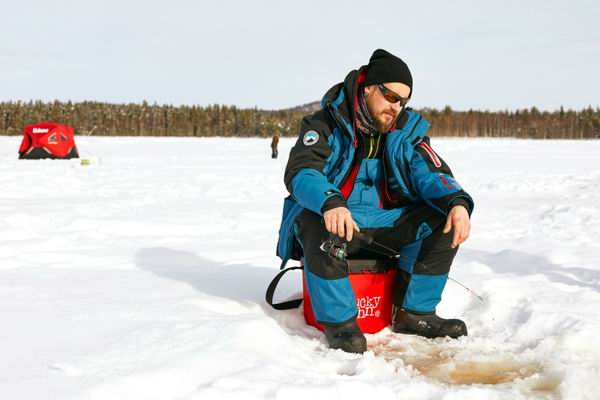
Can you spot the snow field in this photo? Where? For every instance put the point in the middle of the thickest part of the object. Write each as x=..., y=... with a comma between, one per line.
x=142, y=276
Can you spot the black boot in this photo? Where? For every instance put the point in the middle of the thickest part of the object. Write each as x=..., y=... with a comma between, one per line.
x=347, y=337
x=428, y=325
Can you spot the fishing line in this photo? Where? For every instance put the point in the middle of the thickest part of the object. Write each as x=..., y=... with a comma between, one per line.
x=337, y=249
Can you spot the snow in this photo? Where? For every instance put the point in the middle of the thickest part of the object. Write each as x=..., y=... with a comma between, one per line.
x=142, y=276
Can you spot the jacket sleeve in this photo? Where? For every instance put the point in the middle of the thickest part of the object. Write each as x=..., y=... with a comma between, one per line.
x=305, y=172
x=434, y=181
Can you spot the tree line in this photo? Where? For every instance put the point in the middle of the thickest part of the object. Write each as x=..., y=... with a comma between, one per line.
x=105, y=119
x=527, y=123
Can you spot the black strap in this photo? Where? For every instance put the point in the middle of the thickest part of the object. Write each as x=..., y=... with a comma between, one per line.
x=286, y=305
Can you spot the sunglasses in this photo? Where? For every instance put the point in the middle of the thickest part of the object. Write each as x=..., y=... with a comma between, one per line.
x=392, y=96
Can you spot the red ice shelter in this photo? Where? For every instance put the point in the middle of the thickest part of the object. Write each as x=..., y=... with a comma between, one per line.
x=48, y=140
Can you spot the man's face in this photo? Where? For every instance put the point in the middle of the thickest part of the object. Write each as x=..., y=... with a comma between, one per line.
x=383, y=111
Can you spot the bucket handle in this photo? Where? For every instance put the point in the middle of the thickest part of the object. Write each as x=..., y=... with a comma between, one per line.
x=286, y=305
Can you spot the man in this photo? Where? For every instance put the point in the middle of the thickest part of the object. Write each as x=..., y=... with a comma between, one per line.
x=274, y=143
x=363, y=163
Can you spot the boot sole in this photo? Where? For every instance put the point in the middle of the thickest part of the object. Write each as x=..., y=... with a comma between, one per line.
x=405, y=332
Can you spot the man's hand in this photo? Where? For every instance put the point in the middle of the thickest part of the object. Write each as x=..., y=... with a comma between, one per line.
x=458, y=218
x=339, y=222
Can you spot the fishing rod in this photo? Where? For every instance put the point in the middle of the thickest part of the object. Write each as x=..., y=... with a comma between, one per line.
x=336, y=248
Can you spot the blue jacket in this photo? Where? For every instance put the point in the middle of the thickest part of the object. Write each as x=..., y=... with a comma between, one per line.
x=320, y=162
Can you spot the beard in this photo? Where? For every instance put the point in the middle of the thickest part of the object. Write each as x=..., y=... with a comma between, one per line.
x=385, y=125
x=383, y=119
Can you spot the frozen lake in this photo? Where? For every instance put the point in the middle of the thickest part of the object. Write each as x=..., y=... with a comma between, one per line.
x=142, y=276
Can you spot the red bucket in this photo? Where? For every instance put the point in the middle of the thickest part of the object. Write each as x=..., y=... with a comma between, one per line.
x=373, y=285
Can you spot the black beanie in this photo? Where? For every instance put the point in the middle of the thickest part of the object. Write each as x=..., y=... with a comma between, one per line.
x=385, y=67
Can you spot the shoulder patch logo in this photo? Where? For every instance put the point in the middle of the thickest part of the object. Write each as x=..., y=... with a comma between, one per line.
x=310, y=138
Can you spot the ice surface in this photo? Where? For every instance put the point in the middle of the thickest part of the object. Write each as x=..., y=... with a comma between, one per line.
x=142, y=276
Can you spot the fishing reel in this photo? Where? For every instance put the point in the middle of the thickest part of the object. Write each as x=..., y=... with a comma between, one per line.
x=335, y=248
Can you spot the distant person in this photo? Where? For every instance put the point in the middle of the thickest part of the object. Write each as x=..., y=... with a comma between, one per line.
x=274, y=143
x=364, y=163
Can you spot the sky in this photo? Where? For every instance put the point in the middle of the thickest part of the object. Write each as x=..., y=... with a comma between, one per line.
x=486, y=55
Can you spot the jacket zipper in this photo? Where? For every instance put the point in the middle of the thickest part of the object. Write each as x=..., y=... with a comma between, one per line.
x=385, y=180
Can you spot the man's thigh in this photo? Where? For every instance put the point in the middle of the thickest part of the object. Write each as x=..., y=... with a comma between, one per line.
x=415, y=223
